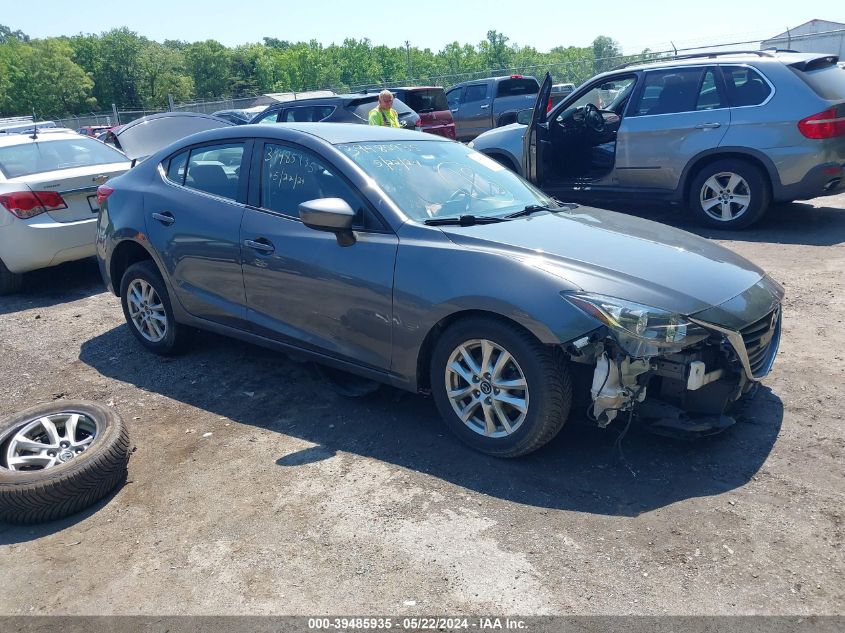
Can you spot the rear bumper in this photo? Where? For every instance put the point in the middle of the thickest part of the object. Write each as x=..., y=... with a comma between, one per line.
x=40, y=242
x=822, y=180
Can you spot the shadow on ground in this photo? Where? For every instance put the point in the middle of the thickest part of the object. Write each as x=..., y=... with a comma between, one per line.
x=795, y=223
x=52, y=286
x=580, y=470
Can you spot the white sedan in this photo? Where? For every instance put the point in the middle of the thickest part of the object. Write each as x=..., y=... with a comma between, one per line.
x=48, y=195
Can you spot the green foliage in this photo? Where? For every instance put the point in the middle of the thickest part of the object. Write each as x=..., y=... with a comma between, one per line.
x=74, y=75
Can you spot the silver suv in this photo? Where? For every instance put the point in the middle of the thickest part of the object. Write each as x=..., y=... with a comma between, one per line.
x=724, y=133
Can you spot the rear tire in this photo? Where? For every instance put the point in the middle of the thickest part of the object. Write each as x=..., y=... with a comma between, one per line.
x=729, y=194
x=9, y=282
x=148, y=311
x=504, y=419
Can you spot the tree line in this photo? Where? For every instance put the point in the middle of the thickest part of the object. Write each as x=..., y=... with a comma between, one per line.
x=79, y=74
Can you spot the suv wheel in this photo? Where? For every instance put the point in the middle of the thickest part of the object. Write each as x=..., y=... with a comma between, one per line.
x=146, y=306
x=9, y=282
x=499, y=389
x=729, y=194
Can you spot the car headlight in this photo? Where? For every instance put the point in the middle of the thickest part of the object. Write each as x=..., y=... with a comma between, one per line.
x=641, y=330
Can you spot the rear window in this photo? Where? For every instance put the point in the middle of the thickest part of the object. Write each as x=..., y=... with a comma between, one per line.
x=828, y=83
x=426, y=100
x=745, y=86
x=512, y=87
x=42, y=156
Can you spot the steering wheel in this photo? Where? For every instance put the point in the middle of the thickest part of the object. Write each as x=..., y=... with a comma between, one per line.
x=461, y=195
x=593, y=118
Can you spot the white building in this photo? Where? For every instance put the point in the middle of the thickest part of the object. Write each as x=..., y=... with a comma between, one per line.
x=815, y=36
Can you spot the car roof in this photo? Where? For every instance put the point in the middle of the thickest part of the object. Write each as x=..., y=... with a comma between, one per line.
x=737, y=57
x=48, y=134
x=332, y=133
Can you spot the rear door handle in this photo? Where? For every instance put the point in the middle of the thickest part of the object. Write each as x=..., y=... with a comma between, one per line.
x=165, y=217
x=261, y=245
x=707, y=126
x=484, y=107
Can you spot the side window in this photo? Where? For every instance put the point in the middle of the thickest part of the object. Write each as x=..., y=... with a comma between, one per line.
x=745, y=86
x=477, y=92
x=176, y=168
x=291, y=176
x=297, y=115
x=322, y=112
x=669, y=91
x=215, y=169
x=269, y=118
x=453, y=98
x=709, y=97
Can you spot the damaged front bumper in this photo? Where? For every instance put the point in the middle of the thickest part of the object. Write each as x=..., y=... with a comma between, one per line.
x=687, y=391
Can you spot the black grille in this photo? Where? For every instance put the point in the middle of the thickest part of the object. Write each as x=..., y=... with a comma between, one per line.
x=760, y=338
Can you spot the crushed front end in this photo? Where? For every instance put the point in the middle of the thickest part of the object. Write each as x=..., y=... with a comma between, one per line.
x=679, y=374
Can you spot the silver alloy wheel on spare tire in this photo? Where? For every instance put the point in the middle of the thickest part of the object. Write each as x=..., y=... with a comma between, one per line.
x=487, y=388
x=49, y=440
x=146, y=310
x=725, y=196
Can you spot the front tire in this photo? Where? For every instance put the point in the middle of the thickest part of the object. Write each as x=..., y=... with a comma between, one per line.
x=10, y=282
x=148, y=311
x=729, y=194
x=498, y=389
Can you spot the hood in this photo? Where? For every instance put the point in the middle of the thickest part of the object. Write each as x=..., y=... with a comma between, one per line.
x=147, y=135
x=620, y=256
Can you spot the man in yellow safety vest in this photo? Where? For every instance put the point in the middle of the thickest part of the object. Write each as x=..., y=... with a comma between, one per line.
x=384, y=114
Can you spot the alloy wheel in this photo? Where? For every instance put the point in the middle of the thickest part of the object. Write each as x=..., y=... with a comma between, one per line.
x=49, y=440
x=146, y=310
x=486, y=388
x=725, y=196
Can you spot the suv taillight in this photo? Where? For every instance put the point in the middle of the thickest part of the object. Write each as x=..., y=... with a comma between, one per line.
x=549, y=105
x=28, y=204
x=827, y=124
x=103, y=192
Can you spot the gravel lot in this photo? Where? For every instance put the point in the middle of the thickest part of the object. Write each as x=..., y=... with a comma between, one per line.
x=302, y=502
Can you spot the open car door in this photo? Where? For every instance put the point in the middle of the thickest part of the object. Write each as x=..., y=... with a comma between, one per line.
x=537, y=135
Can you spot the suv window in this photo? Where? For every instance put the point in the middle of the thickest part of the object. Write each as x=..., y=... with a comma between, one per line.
x=270, y=117
x=670, y=91
x=477, y=92
x=608, y=95
x=827, y=82
x=745, y=86
x=521, y=86
x=307, y=113
x=215, y=169
x=291, y=176
x=709, y=95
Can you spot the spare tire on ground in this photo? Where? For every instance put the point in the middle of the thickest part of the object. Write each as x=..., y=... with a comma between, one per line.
x=59, y=458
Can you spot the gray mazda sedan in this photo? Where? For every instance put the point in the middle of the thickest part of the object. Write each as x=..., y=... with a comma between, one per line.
x=397, y=257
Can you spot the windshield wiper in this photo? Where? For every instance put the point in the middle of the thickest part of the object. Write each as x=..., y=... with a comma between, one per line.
x=531, y=208
x=464, y=220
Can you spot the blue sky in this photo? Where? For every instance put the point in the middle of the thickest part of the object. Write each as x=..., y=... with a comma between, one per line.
x=426, y=23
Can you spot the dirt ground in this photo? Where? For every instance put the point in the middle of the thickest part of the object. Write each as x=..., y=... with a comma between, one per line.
x=302, y=502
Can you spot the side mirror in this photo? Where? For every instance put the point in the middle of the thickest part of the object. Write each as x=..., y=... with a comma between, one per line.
x=524, y=116
x=333, y=215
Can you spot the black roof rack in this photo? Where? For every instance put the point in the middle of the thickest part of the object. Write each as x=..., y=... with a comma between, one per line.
x=711, y=54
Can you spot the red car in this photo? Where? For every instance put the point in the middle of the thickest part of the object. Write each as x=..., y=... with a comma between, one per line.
x=430, y=103
x=93, y=130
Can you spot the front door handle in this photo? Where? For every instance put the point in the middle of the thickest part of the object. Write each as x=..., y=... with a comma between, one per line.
x=707, y=126
x=261, y=245
x=165, y=217
x=484, y=107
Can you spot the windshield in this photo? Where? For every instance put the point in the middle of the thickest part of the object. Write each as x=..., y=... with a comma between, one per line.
x=437, y=179
x=606, y=96
x=29, y=158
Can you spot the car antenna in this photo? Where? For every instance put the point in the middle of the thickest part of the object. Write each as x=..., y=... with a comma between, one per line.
x=34, y=126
